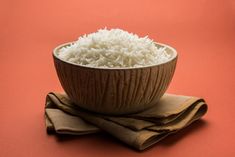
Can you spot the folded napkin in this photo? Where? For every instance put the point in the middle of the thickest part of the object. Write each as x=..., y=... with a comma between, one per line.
x=139, y=130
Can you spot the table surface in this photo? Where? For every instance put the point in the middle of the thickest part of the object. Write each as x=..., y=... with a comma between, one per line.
x=203, y=32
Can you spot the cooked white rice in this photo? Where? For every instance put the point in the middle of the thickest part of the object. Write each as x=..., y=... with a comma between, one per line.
x=113, y=48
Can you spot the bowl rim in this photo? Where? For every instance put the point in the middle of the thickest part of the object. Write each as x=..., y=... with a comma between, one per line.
x=174, y=57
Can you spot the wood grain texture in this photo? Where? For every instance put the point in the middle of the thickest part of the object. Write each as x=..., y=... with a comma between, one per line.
x=115, y=91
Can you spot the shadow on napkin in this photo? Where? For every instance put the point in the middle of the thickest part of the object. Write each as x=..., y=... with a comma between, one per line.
x=140, y=130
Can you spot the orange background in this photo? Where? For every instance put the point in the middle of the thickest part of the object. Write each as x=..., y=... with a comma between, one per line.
x=203, y=32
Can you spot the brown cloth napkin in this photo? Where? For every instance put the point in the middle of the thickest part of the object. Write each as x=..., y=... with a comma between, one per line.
x=140, y=130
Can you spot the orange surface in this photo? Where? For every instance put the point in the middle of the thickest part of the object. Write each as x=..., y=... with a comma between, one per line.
x=202, y=31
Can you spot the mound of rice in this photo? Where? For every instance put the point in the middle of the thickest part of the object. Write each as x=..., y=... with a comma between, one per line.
x=113, y=48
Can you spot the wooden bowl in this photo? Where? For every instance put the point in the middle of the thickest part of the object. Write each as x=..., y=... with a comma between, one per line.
x=115, y=91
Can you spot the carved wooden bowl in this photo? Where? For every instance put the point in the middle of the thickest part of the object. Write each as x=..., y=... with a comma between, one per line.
x=115, y=91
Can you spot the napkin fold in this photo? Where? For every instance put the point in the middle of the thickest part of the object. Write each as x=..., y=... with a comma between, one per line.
x=140, y=130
